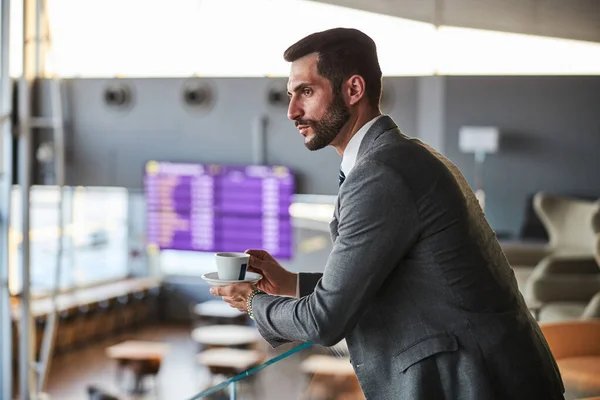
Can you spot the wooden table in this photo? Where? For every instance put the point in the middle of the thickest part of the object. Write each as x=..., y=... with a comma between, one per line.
x=142, y=357
x=331, y=378
x=226, y=335
x=230, y=362
x=219, y=311
x=328, y=365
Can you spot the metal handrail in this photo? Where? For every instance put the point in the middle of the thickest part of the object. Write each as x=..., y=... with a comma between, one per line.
x=6, y=149
x=232, y=381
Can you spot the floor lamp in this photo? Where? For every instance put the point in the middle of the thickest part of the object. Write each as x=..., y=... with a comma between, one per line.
x=480, y=140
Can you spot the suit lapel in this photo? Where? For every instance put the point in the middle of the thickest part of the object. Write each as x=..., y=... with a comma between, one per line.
x=333, y=228
x=333, y=224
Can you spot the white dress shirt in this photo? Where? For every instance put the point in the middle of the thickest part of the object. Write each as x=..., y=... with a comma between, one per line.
x=348, y=162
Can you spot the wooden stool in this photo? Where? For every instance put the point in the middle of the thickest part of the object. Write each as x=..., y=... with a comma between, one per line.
x=65, y=334
x=230, y=362
x=143, y=358
x=331, y=378
x=226, y=336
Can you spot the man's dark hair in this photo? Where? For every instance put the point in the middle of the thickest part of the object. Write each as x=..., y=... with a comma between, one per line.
x=342, y=52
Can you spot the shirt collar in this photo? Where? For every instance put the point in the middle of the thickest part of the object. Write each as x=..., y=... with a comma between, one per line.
x=351, y=151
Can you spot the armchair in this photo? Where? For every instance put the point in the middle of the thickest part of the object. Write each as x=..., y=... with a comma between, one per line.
x=569, y=224
x=561, y=217
x=570, y=271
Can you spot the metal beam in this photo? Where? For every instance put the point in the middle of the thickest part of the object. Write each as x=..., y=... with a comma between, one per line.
x=26, y=338
x=6, y=345
x=51, y=329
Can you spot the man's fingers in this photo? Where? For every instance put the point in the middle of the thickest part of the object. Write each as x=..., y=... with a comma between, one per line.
x=230, y=290
x=235, y=294
x=256, y=263
x=255, y=253
x=221, y=290
x=257, y=270
x=259, y=254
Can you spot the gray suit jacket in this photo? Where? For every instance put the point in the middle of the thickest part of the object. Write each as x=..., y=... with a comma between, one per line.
x=418, y=286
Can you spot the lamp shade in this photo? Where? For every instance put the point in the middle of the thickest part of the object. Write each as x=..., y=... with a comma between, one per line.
x=478, y=139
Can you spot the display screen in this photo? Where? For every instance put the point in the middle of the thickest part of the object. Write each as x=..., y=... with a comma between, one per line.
x=215, y=208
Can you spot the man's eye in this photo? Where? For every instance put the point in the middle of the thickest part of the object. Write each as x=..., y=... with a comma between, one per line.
x=307, y=91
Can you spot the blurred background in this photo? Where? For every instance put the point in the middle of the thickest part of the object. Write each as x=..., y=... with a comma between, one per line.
x=140, y=137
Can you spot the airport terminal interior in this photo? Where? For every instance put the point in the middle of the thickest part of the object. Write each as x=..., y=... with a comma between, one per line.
x=140, y=137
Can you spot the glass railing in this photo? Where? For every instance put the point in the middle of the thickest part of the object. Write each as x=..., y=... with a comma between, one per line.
x=236, y=363
x=230, y=385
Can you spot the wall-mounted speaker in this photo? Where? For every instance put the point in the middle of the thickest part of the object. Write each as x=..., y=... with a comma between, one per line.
x=277, y=95
x=118, y=95
x=198, y=94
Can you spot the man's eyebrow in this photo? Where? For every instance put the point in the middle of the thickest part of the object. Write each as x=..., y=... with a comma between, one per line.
x=299, y=87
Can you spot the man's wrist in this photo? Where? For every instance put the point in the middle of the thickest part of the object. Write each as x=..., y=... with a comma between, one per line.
x=253, y=294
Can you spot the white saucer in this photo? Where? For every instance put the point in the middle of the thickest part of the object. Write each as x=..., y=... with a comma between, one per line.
x=212, y=278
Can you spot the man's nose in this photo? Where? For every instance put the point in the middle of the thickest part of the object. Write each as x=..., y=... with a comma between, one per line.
x=294, y=111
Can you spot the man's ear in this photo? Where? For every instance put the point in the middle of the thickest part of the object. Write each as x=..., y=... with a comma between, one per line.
x=355, y=89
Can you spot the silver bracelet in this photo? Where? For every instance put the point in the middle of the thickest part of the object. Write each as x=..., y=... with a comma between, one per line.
x=254, y=292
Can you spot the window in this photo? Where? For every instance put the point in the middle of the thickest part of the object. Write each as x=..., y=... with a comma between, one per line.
x=465, y=51
x=156, y=38
x=95, y=240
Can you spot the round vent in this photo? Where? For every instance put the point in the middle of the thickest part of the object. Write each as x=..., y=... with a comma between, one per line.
x=197, y=94
x=277, y=95
x=118, y=95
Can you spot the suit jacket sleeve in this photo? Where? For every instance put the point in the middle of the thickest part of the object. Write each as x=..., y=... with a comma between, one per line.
x=378, y=224
x=307, y=282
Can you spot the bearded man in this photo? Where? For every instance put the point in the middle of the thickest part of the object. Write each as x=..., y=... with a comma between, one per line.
x=416, y=282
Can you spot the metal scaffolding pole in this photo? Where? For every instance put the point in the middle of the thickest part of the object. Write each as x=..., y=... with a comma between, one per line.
x=27, y=332
x=51, y=328
x=6, y=345
x=26, y=339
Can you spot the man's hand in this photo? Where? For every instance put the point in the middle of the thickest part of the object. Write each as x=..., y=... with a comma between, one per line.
x=236, y=294
x=276, y=279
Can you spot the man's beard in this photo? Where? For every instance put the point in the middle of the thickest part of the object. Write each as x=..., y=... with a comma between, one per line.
x=327, y=128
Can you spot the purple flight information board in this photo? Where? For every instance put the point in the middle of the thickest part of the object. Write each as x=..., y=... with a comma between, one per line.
x=215, y=208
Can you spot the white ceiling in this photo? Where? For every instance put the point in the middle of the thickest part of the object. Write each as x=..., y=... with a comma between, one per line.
x=571, y=19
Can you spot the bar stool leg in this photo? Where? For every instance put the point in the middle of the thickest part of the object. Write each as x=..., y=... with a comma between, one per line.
x=232, y=391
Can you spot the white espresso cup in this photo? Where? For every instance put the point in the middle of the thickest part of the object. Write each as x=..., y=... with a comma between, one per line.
x=232, y=266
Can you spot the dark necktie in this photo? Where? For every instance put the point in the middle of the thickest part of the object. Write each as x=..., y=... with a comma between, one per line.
x=341, y=177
